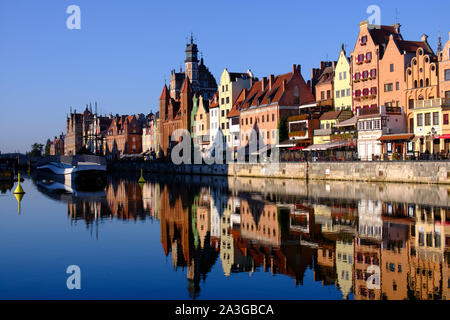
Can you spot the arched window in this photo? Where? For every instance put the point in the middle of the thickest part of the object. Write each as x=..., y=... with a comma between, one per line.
x=427, y=82
x=421, y=83
x=415, y=83
x=420, y=97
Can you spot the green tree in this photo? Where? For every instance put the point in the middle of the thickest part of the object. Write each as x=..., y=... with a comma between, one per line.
x=47, y=148
x=283, y=129
x=36, y=150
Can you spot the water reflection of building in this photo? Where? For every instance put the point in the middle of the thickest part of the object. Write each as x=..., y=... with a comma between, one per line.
x=428, y=265
x=344, y=266
x=150, y=199
x=181, y=209
x=125, y=200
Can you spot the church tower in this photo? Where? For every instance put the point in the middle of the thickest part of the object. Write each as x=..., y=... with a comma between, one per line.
x=191, y=63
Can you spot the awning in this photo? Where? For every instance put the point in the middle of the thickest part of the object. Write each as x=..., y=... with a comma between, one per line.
x=296, y=148
x=327, y=146
x=443, y=136
x=392, y=137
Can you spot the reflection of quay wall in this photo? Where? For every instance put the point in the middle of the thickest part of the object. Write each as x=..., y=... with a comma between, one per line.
x=436, y=195
x=417, y=172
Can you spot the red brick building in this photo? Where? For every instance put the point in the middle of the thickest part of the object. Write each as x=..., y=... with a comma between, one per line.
x=124, y=137
x=174, y=114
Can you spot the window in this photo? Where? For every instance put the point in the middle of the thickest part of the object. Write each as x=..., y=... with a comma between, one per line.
x=223, y=100
x=343, y=93
x=420, y=120
x=435, y=118
x=447, y=94
x=427, y=119
x=228, y=99
x=338, y=94
x=445, y=120
x=226, y=87
x=322, y=95
x=345, y=74
x=447, y=74
x=357, y=76
x=365, y=74
x=348, y=92
x=388, y=87
x=397, y=86
x=364, y=40
x=340, y=75
x=391, y=67
x=373, y=73
x=411, y=103
x=328, y=94
x=273, y=116
x=368, y=56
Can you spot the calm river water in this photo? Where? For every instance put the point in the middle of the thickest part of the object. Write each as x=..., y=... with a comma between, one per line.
x=182, y=237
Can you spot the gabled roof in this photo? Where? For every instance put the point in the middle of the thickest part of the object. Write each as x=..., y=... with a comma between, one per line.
x=331, y=115
x=214, y=103
x=412, y=46
x=380, y=34
x=165, y=93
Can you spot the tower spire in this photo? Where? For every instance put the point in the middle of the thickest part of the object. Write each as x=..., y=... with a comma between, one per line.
x=439, y=47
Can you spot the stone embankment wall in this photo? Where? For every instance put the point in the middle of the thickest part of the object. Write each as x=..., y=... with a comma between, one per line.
x=411, y=172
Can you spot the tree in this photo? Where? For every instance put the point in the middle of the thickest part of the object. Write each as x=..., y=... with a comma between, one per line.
x=283, y=129
x=47, y=148
x=36, y=150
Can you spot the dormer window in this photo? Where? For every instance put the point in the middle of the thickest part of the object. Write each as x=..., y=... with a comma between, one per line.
x=363, y=40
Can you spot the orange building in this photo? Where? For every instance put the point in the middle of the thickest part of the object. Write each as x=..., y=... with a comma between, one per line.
x=324, y=87
x=444, y=70
x=268, y=101
x=422, y=82
x=396, y=59
x=365, y=62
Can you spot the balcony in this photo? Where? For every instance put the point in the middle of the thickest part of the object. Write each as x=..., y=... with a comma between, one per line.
x=432, y=103
x=323, y=132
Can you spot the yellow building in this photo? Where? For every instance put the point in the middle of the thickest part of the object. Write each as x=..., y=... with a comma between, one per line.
x=328, y=122
x=431, y=125
x=231, y=85
x=342, y=83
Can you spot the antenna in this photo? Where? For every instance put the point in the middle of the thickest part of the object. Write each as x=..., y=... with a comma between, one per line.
x=397, y=14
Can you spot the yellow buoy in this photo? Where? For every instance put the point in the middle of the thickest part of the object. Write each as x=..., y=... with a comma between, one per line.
x=141, y=179
x=19, y=189
x=19, y=198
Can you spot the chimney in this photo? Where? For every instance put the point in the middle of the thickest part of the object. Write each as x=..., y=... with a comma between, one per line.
x=308, y=84
x=299, y=69
x=263, y=83
x=283, y=85
x=245, y=94
x=424, y=38
x=397, y=27
x=271, y=81
x=294, y=67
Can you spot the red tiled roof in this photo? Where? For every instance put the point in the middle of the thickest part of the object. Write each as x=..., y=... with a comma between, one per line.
x=214, y=103
x=380, y=34
x=412, y=46
x=332, y=115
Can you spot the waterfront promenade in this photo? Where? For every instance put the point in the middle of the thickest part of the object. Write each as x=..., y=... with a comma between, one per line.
x=429, y=172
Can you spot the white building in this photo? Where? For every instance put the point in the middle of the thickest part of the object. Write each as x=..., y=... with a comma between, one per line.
x=374, y=122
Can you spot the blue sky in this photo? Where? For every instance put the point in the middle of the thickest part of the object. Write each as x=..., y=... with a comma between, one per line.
x=126, y=49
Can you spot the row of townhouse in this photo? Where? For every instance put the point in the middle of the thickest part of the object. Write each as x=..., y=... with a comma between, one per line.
x=389, y=98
